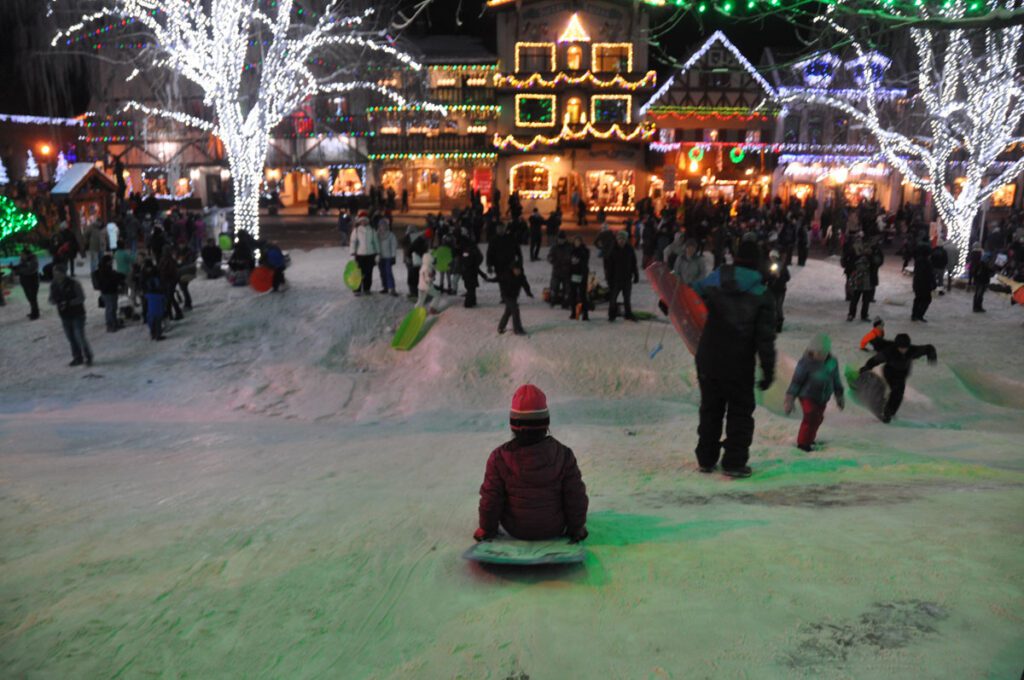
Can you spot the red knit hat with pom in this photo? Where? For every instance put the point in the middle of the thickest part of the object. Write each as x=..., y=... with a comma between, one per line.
x=529, y=409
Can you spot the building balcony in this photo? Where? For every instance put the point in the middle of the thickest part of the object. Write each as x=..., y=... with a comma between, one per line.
x=423, y=144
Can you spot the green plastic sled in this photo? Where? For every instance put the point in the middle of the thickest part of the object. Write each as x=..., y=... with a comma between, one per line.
x=226, y=242
x=409, y=330
x=353, y=276
x=442, y=258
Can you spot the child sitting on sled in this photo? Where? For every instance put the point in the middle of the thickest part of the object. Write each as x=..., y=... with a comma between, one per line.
x=532, y=487
x=815, y=380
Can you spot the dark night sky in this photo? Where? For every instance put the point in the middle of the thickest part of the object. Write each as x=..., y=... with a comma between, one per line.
x=21, y=40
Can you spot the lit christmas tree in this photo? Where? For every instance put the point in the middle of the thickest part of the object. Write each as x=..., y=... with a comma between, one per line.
x=13, y=219
x=62, y=167
x=31, y=169
x=255, y=62
x=4, y=179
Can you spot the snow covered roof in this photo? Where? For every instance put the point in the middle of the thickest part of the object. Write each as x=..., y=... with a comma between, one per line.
x=76, y=174
x=716, y=37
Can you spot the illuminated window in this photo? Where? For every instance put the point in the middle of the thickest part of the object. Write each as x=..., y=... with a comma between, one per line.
x=574, y=58
x=346, y=182
x=573, y=111
x=1004, y=195
x=610, y=189
x=611, y=108
x=611, y=57
x=535, y=110
x=531, y=180
x=535, y=57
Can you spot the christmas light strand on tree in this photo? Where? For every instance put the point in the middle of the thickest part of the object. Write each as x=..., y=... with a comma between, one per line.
x=971, y=99
x=211, y=45
x=13, y=219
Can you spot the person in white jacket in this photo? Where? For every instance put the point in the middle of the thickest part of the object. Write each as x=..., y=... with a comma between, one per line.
x=388, y=251
x=427, y=291
x=113, y=234
x=365, y=247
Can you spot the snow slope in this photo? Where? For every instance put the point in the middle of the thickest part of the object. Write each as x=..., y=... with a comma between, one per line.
x=274, y=492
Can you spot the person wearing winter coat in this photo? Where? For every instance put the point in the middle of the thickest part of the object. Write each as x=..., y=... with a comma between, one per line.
x=109, y=283
x=536, y=234
x=896, y=359
x=815, y=380
x=982, y=272
x=67, y=296
x=169, y=278
x=940, y=260
x=952, y=259
x=858, y=263
x=154, y=299
x=532, y=487
x=212, y=256
x=470, y=260
x=777, y=282
x=579, y=272
x=130, y=233
x=388, y=253
x=689, y=266
x=620, y=264
x=924, y=282
x=740, y=327
x=675, y=249
x=414, y=246
x=511, y=281
x=27, y=270
x=113, y=234
x=554, y=225
x=427, y=291
x=365, y=248
x=97, y=245
x=503, y=252
x=559, y=256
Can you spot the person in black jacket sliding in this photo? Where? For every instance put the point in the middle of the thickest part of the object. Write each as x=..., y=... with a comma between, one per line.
x=740, y=326
x=896, y=358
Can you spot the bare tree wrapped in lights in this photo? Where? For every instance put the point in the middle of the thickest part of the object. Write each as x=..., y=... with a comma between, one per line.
x=965, y=119
x=254, y=61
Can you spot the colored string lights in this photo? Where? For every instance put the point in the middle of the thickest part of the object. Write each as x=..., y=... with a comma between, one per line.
x=642, y=131
x=537, y=80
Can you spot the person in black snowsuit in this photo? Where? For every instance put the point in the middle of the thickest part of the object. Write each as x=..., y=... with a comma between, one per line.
x=579, y=273
x=470, y=259
x=554, y=225
x=924, y=282
x=559, y=255
x=896, y=358
x=27, y=270
x=939, y=259
x=511, y=281
x=536, y=234
x=622, y=274
x=802, y=244
x=740, y=326
x=109, y=283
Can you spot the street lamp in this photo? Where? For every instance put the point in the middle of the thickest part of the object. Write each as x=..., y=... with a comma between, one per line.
x=45, y=149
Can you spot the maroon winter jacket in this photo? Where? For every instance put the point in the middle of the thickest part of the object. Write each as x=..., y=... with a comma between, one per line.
x=534, y=490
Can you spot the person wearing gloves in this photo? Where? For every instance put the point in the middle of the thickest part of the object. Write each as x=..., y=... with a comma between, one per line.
x=532, y=486
x=740, y=327
x=897, y=358
x=815, y=380
x=427, y=291
x=365, y=248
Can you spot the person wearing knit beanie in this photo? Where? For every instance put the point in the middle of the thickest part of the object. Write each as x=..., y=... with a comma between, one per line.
x=815, y=380
x=532, y=487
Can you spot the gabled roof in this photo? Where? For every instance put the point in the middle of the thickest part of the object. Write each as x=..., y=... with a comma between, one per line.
x=452, y=49
x=78, y=174
x=716, y=37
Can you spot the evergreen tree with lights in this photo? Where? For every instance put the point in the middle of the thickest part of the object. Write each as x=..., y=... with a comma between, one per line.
x=4, y=179
x=255, y=61
x=966, y=116
x=62, y=167
x=31, y=168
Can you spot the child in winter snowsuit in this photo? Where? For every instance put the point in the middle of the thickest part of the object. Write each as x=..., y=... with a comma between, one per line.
x=426, y=288
x=532, y=487
x=877, y=332
x=896, y=359
x=815, y=380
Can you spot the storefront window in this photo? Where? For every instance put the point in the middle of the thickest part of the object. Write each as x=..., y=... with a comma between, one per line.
x=392, y=178
x=426, y=184
x=610, y=188
x=535, y=57
x=346, y=182
x=454, y=182
x=531, y=180
x=859, y=191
